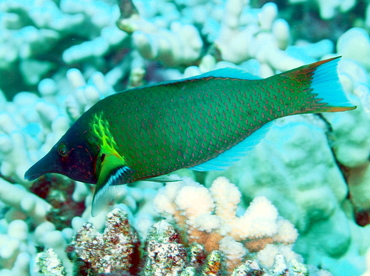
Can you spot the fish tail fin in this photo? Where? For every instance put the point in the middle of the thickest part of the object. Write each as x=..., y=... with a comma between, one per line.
x=320, y=86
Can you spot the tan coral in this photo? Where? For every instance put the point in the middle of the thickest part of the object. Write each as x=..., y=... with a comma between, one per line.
x=209, y=215
x=258, y=244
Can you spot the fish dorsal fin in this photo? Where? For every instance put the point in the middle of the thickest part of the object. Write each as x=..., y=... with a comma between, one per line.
x=228, y=72
x=234, y=154
x=105, y=190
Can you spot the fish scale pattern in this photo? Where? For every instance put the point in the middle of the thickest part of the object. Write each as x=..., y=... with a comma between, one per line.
x=182, y=124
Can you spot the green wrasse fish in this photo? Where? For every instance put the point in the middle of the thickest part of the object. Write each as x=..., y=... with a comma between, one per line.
x=207, y=122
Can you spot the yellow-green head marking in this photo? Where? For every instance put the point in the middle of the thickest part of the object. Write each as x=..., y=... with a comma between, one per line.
x=102, y=137
x=110, y=166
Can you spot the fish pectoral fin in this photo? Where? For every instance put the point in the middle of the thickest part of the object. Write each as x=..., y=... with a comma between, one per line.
x=106, y=190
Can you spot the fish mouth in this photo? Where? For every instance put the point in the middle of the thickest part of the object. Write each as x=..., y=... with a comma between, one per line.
x=30, y=175
x=34, y=173
x=45, y=165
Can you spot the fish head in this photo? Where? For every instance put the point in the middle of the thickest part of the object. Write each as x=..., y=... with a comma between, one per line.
x=72, y=156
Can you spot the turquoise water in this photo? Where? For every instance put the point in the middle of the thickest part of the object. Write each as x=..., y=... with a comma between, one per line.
x=58, y=58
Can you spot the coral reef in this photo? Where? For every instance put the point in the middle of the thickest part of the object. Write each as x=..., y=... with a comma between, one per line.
x=209, y=217
x=310, y=175
x=58, y=190
x=116, y=252
x=313, y=200
x=34, y=32
x=329, y=9
x=50, y=264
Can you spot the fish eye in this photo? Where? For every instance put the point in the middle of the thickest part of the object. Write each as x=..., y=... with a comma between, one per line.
x=62, y=150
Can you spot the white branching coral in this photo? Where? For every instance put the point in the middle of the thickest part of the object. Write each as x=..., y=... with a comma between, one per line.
x=209, y=215
x=177, y=44
x=20, y=199
x=264, y=38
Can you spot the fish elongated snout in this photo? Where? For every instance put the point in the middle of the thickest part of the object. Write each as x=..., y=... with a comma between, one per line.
x=31, y=175
x=78, y=165
x=45, y=165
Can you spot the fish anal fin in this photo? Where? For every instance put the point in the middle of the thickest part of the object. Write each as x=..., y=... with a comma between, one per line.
x=231, y=156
